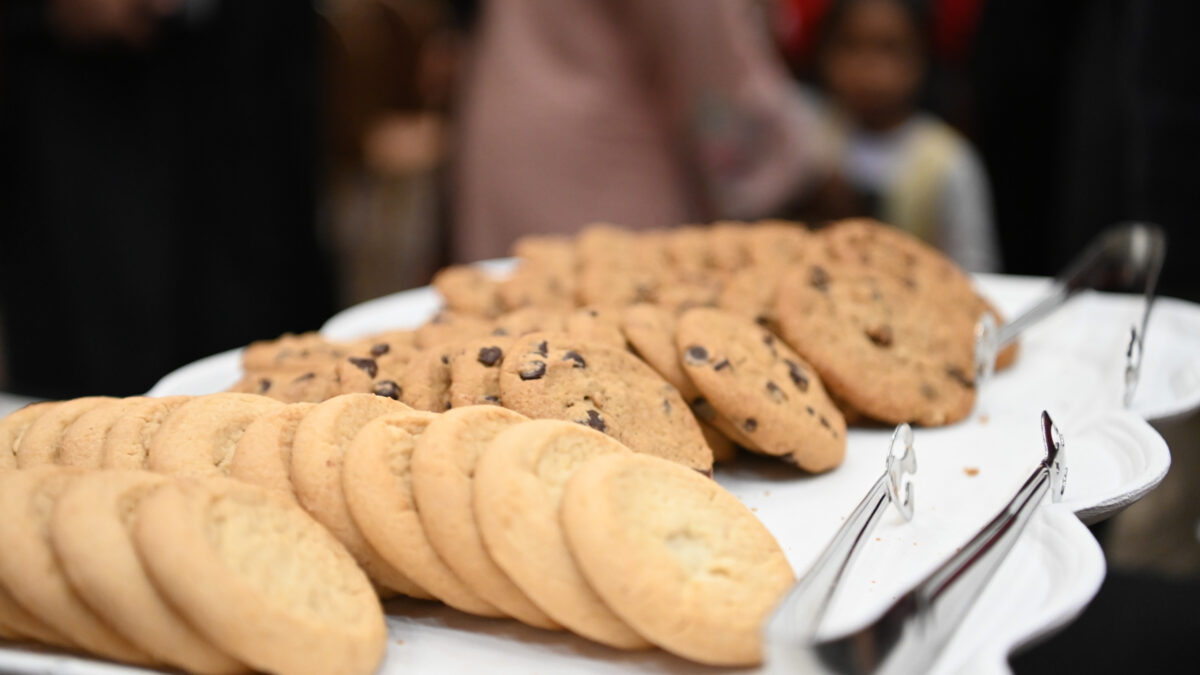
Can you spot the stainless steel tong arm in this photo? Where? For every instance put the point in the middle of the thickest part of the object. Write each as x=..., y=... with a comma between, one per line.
x=911, y=633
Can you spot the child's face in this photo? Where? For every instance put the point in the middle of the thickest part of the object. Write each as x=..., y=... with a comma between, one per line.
x=873, y=63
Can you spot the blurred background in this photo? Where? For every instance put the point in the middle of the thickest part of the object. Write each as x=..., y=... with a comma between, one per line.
x=181, y=177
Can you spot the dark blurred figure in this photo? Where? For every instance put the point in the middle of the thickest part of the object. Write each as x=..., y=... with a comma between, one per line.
x=1088, y=114
x=157, y=185
x=391, y=66
x=892, y=160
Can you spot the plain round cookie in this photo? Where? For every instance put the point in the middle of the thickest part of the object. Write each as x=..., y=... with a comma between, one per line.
x=82, y=444
x=14, y=425
x=555, y=376
x=199, y=438
x=516, y=490
x=39, y=444
x=443, y=464
x=260, y=578
x=377, y=480
x=318, y=448
x=128, y=441
x=263, y=455
x=90, y=533
x=892, y=355
x=30, y=572
x=18, y=624
x=678, y=558
x=754, y=380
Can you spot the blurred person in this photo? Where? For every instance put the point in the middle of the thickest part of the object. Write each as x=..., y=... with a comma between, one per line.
x=893, y=161
x=158, y=172
x=646, y=114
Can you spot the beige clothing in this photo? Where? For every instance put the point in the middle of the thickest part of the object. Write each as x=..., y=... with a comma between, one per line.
x=646, y=114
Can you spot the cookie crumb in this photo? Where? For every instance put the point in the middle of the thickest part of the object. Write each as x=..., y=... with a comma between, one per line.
x=971, y=470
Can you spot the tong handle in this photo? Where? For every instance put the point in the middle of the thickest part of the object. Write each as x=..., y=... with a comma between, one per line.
x=940, y=602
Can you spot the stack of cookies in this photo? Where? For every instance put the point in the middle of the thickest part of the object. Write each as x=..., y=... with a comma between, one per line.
x=772, y=336
x=550, y=522
x=206, y=575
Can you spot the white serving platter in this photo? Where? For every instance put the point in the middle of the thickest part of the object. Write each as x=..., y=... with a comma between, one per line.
x=1071, y=365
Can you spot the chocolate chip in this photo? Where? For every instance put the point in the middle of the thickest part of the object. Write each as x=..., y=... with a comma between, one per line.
x=703, y=410
x=543, y=348
x=809, y=410
x=491, y=398
x=366, y=365
x=490, y=356
x=445, y=359
x=666, y=407
x=387, y=389
x=880, y=336
x=723, y=363
x=500, y=332
x=911, y=283
x=448, y=406
x=824, y=422
x=775, y=392
x=263, y=385
x=955, y=373
x=534, y=370
x=573, y=355
x=592, y=312
x=306, y=376
x=819, y=278
x=380, y=349
x=595, y=421
x=762, y=321
x=799, y=377
x=928, y=391
x=695, y=354
x=750, y=424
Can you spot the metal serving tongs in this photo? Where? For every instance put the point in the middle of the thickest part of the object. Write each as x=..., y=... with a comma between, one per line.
x=1125, y=258
x=908, y=637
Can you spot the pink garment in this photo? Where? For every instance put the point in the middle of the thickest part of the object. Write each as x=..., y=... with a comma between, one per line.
x=640, y=113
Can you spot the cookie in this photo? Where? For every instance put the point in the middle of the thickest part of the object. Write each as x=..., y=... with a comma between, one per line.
x=554, y=376
x=90, y=534
x=260, y=578
x=475, y=372
x=618, y=267
x=529, y=320
x=425, y=384
x=688, y=252
x=289, y=351
x=443, y=463
x=39, y=444
x=516, y=489
x=30, y=572
x=13, y=427
x=128, y=441
x=290, y=384
x=723, y=449
x=199, y=437
x=468, y=289
x=893, y=355
x=596, y=324
x=18, y=624
x=377, y=480
x=316, y=470
x=675, y=556
x=447, y=327
x=650, y=330
x=263, y=454
x=754, y=380
x=728, y=243
x=82, y=443
x=751, y=293
x=919, y=267
x=540, y=283
x=777, y=244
